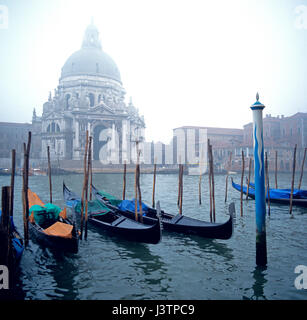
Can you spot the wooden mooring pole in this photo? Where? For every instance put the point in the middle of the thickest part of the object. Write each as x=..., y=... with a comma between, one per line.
x=302, y=170
x=228, y=169
x=5, y=244
x=276, y=185
x=267, y=182
x=181, y=189
x=261, y=247
x=292, y=181
x=84, y=185
x=49, y=173
x=249, y=176
x=91, y=171
x=154, y=185
x=13, y=168
x=25, y=176
x=124, y=180
x=242, y=176
x=210, y=180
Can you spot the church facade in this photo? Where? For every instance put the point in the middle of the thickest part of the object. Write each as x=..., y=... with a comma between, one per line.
x=90, y=96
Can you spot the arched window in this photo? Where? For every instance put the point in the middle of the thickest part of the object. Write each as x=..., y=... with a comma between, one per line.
x=92, y=99
x=52, y=127
x=57, y=128
x=66, y=100
x=48, y=128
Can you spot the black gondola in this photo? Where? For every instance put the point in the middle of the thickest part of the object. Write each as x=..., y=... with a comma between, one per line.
x=113, y=221
x=16, y=243
x=65, y=238
x=273, y=198
x=180, y=223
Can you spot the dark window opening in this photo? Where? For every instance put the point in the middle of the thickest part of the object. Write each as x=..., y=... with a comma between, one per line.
x=92, y=99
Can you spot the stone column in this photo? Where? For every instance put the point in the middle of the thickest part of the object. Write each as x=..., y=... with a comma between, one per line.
x=76, y=141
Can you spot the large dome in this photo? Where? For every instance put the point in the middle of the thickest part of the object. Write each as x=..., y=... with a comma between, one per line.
x=91, y=59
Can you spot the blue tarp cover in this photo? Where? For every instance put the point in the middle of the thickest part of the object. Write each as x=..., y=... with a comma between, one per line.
x=286, y=193
x=129, y=205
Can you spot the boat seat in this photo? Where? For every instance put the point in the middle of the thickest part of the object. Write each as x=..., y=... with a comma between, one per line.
x=60, y=229
x=118, y=221
x=177, y=218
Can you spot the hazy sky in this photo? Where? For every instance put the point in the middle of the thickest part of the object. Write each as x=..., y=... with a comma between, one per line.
x=183, y=62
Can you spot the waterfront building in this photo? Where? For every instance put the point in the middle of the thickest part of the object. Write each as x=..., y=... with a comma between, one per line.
x=12, y=136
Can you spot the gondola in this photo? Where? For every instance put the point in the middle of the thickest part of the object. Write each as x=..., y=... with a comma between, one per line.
x=285, y=193
x=59, y=234
x=16, y=243
x=113, y=221
x=172, y=223
x=274, y=198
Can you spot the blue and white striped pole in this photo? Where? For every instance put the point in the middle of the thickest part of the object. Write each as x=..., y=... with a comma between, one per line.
x=261, y=249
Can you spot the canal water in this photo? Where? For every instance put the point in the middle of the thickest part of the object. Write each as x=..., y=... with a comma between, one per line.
x=180, y=266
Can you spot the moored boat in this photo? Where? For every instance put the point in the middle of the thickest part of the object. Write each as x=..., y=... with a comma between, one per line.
x=274, y=197
x=16, y=242
x=50, y=227
x=285, y=193
x=173, y=223
x=111, y=220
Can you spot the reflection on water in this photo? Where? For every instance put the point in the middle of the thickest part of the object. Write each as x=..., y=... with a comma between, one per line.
x=180, y=266
x=259, y=284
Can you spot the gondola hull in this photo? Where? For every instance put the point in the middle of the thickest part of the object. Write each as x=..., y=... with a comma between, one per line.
x=284, y=201
x=57, y=241
x=117, y=224
x=130, y=230
x=181, y=223
x=54, y=242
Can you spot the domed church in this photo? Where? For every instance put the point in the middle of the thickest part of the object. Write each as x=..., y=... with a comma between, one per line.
x=90, y=96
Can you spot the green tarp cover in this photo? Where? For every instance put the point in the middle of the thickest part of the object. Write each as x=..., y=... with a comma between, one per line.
x=114, y=201
x=94, y=207
x=45, y=214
